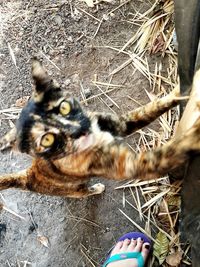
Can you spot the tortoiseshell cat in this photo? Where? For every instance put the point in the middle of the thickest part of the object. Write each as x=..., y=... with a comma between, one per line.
x=70, y=145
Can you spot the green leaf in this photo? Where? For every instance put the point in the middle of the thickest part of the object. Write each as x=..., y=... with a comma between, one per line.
x=161, y=247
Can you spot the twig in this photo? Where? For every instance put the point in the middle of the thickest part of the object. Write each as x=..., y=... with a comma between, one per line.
x=93, y=17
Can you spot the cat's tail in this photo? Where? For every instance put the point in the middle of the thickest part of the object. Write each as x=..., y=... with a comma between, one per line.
x=14, y=180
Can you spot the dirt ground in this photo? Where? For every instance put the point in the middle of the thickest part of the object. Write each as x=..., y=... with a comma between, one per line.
x=73, y=42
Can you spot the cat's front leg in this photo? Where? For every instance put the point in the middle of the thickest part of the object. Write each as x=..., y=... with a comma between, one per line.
x=144, y=115
x=86, y=191
x=138, y=118
x=14, y=180
x=118, y=161
x=34, y=180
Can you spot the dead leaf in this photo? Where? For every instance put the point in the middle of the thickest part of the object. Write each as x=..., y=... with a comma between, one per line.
x=158, y=44
x=174, y=259
x=43, y=240
x=21, y=102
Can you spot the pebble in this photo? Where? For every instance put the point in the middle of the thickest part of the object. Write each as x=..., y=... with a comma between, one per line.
x=87, y=92
x=67, y=82
x=75, y=78
x=70, y=39
x=58, y=20
x=62, y=219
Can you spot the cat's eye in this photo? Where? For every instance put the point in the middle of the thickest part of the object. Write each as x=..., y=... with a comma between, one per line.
x=47, y=140
x=65, y=108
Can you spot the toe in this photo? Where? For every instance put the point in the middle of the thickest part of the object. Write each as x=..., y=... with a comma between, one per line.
x=117, y=248
x=145, y=250
x=132, y=245
x=124, y=247
x=139, y=244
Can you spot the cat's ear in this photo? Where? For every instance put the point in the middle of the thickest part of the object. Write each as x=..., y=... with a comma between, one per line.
x=43, y=81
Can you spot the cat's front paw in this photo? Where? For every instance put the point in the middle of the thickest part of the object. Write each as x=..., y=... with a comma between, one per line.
x=8, y=140
x=4, y=144
x=97, y=189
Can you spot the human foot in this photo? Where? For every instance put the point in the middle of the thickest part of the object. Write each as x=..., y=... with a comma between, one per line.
x=129, y=253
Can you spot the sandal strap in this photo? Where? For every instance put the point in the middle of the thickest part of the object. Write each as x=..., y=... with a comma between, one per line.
x=124, y=256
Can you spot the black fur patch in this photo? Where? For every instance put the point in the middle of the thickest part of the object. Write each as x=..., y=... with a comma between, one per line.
x=24, y=126
x=108, y=125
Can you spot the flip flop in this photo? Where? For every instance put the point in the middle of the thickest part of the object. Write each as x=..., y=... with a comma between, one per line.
x=129, y=255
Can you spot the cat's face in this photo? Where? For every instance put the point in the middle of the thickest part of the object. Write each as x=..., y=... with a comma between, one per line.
x=51, y=125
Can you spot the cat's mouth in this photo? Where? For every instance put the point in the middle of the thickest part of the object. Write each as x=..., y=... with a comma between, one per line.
x=84, y=142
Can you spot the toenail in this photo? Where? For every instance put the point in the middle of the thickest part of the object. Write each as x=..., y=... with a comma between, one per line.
x=147, y=246
x=139, y=239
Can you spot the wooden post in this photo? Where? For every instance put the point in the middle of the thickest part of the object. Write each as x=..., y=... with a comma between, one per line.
x=190, y=217
x=187, y=22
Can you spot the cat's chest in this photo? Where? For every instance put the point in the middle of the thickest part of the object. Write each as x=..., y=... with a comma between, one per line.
x=76, y=164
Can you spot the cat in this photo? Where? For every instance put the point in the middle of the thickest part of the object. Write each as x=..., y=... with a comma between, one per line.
x=70, y=145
